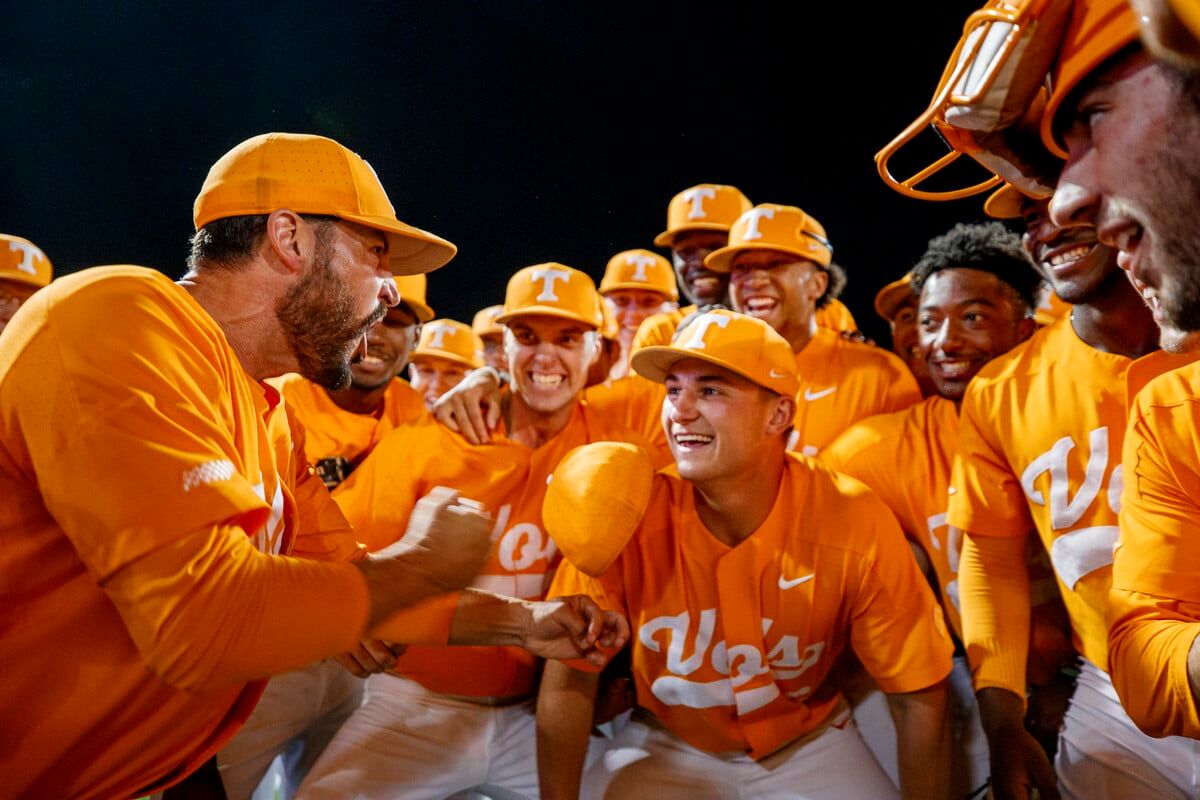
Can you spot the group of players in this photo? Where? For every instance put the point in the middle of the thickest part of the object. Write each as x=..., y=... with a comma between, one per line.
x=725, y=550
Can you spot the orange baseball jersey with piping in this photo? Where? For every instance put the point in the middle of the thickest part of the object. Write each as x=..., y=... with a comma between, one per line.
x=836, y=317
x=509, y=478
x=736, y=649
x=842, y=382
x=332, y=431
x=1155, y=598
x=151, y=489
x=1039, y=448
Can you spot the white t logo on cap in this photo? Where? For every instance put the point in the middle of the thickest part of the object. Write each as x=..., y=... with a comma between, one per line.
x=697, y=197
x=28, y=254
x=640, y=262
x=548, y=278
x=437, y=336
x=752, y=217
x=699, y=329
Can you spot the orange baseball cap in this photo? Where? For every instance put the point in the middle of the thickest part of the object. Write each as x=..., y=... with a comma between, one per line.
x=640, y=269
x=553, y=290
x=595, y=500
x=313, y=175
x=773, y=227
x=1098, y=29
x=706, y=207
x=1004, y=203
x=412, y=294
x=484, y=323
x=609, y=328
x=23, y=261
x=889, y=299
x=451, y=340
x=741, y=344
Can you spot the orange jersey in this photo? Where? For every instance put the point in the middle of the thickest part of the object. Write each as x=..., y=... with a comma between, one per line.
x=842, y=382
x=1039, y=448
x=737, y=649
x=635, y=404
x=151, y=488
x=1155, y=598
x=510, y=480
x=836, y=317
x=333, y=431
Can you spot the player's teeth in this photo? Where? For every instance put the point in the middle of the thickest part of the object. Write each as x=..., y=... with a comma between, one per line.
x=1070, y=255
x=692, y=438
x=547, y=380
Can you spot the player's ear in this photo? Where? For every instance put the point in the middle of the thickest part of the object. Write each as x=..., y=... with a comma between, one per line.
x=818, y=283
x=783, y=412
x=287, y=239
x=1025, y=328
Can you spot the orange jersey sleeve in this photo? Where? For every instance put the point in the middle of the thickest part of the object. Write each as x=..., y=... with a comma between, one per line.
x=510, y=480
x=1155, y=612
x=905, y=457
x=734, y=649
x=843, y=382
x=836, y=317
x=151, y=508
x=635, y=404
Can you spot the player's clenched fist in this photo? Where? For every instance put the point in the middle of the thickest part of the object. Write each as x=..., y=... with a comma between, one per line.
x=575, y=627
x=452, y=533
x=445, y=546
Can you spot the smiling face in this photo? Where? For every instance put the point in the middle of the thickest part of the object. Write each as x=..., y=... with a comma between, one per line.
x=631, y=307
x=700, y=285
x=432, y=377
x=967, y=317
x=1132, y=133
x=777, y=287
x=906, y=341
x=1078, y=267
x=716, y=421
x=548, y=359
x=389, y=344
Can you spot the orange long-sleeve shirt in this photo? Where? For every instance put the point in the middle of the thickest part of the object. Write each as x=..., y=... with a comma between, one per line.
x=1155, y=597
x=151, y=490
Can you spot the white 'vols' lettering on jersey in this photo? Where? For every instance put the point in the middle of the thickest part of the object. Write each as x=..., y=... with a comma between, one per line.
x=269, y=538
x=953, y=550
x=549, y=277
x=639, y=263
x=518, y=549
x=28, y=254
x=437, y=336
x=1076, y=553
x=752, y=218
x=696, y=198
x=739, y=664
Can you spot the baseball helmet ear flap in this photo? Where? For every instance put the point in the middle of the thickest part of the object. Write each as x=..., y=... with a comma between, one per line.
x=988, y=89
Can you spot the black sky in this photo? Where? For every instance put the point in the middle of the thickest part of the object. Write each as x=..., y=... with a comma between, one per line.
x=522, y=131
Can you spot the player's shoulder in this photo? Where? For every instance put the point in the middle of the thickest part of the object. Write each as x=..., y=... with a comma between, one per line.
x=1031, y=358
x=657, y=329
x=860, y=354
x=1172, y=389
x=105, y=290
x=600, y=425
x=880, y=431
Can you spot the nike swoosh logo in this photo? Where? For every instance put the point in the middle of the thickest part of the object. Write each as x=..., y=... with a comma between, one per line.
x=786, y=584
x=777, y=374
x=810, y=395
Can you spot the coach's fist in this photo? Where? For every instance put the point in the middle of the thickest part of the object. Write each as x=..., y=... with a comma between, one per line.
x=445, y=546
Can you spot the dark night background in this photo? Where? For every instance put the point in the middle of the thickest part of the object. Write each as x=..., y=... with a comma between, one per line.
x=522, y=131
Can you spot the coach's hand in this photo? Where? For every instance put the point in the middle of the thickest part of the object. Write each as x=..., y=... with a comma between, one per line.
x=371, y=656
x=472, y=407
x=1019, y=763
x=446, y=545
x=574, y=627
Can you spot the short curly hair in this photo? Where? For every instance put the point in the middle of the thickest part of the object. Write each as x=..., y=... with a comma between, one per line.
x=837, y=282
x=987, y=247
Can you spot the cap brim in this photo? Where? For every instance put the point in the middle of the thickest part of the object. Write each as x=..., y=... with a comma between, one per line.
x=889, y=299
x=672, y=296
x=667, y=238
x=546, y=311
x=446, y=356
x=1004, y=203
x=411, y=251
x=422, y=312
x=23, y=278
x=722, y=260
x=654, y=363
